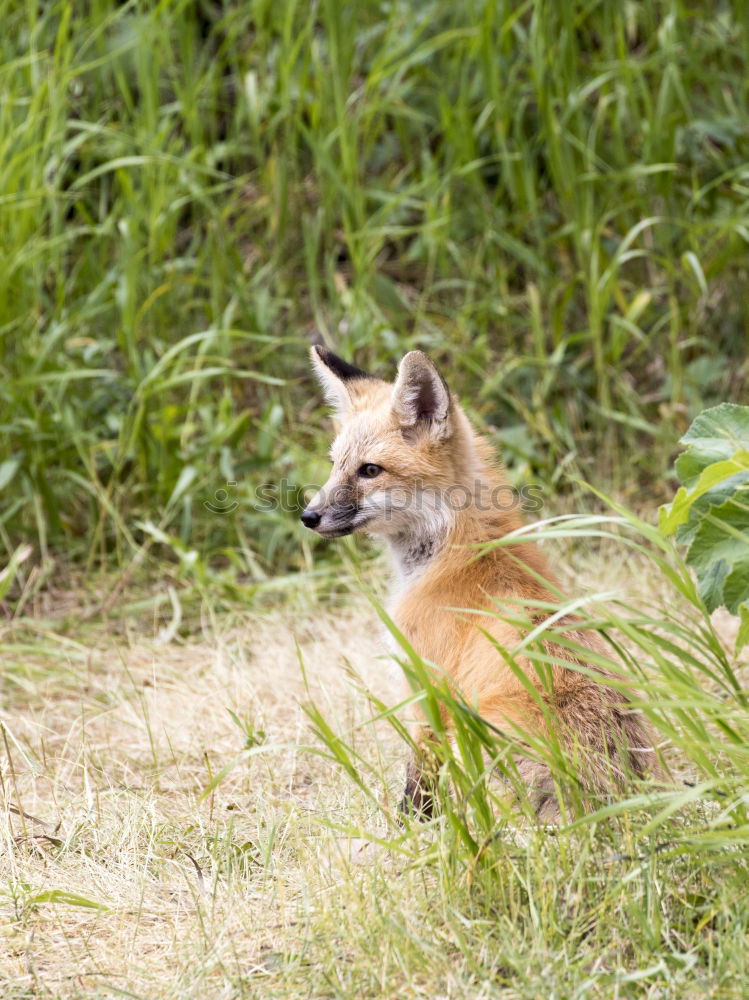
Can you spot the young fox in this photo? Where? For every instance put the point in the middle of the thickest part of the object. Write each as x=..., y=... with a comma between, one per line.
x=408, y=466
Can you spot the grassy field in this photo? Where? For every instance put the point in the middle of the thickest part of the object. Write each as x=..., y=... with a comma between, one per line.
x=550, y=199
x=126, y=879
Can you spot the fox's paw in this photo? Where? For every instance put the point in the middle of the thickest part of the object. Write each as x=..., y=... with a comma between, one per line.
x=418, y=800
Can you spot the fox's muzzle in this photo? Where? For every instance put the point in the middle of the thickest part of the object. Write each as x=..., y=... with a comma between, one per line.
x=310, y=518
x=332, y=512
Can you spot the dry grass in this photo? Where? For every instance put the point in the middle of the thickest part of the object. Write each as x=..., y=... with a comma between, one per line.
x=120, y=739
x=121, y=878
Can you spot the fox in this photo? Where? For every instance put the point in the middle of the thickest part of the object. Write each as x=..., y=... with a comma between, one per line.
x=404, y=452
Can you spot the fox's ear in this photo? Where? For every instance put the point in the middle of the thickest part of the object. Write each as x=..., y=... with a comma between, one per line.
x=336, y=376
x=421, y=400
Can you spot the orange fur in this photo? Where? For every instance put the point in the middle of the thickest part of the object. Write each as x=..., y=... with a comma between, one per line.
x=425, y=445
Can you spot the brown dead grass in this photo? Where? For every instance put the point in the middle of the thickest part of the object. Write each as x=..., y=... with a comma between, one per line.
x=121, y=878
x=114, y=747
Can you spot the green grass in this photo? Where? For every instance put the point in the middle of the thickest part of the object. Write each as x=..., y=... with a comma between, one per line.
x=550, y=198
x=640, y=895
x=161, y=847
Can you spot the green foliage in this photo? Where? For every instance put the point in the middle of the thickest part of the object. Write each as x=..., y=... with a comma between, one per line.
x=548, y=197
x=710, y=513
x=672, y=664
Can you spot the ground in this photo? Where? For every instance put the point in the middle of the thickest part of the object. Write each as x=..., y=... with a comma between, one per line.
x=133, y=867
x=112, y=752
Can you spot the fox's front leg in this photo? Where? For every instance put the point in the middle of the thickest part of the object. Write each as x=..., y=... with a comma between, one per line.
x=421, y=781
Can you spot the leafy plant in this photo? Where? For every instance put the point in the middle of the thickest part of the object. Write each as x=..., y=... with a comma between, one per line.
x=665, y=654
x=548, y=197
x=710, y=512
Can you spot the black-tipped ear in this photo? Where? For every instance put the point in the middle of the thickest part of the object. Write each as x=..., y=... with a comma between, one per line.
x=340, y=368
x=336, y=376
x=421, y=399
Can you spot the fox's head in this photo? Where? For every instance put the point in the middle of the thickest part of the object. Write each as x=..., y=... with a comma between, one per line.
x=400, y=446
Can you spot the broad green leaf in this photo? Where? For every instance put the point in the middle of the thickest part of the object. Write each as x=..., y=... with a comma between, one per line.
x=723, y=537
x=710, y=512
x=733, y=487
x=711, y=583
x=713, y=475
x=715, y=436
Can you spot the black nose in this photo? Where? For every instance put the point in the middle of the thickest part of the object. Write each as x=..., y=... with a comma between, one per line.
x=311, y=518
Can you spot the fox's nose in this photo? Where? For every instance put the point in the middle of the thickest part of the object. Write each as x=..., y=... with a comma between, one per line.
x=310, y=518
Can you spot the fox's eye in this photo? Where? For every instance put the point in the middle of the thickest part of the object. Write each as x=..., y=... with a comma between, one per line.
x=369, y=470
